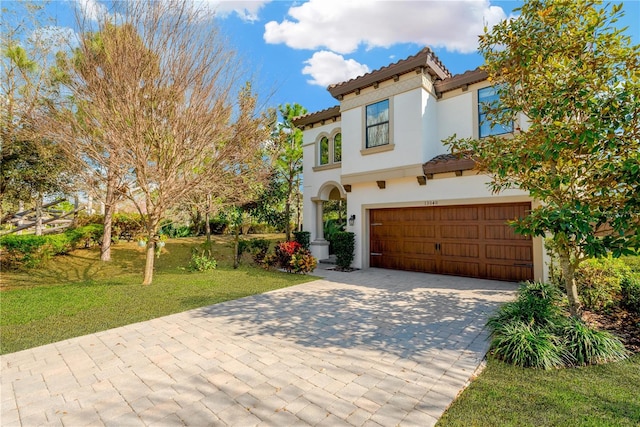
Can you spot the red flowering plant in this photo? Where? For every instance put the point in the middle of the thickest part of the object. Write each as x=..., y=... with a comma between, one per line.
x=292, y=257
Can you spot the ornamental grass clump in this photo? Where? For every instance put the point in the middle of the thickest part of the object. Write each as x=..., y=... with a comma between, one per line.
x=536, y=331
x=589, y=346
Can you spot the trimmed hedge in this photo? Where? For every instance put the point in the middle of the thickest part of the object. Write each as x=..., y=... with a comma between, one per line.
x=344, y=247
x=29, y=250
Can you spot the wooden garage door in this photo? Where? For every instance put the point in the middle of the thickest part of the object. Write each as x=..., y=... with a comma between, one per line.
x=472, y=241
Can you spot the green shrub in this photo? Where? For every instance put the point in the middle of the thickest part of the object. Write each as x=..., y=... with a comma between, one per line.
x=331, y=228
x=599, y=282
x=528, y=309
x=633, y=262
x=587, y=346
x=202, y=261
x=259, y=249
x=58, y=244
x=527, y=345
x=630, y=285
x=302, y=237
x=84, y=220
x=127, y=225
x=172, y=230
x=344, y=245
x=26, y=250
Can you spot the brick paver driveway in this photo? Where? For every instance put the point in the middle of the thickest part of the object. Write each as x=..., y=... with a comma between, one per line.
x=372, y=347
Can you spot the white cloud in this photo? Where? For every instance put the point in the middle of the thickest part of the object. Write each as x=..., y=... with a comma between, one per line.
x=342, y=26
x=327, y=68
x=246, y=9
x=92, y=10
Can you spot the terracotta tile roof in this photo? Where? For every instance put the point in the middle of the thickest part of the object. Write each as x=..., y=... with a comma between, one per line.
x=318, y=116
x=460, y=80
x=448, y=163
x=425, y=58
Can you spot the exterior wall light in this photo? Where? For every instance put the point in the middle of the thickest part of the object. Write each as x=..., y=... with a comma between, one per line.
x=352, y=219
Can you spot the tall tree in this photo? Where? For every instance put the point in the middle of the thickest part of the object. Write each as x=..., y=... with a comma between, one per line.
x=32, y=166
x=574, y=81
x=169, y=112
x=288, y=154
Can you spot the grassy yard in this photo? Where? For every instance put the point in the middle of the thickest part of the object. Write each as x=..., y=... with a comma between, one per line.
x=77, y=294
x=504, y=395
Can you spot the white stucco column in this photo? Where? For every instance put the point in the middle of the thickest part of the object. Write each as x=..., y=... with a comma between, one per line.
x=319, y=247
x=319, y=220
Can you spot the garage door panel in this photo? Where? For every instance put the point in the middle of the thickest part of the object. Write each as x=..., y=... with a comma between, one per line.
x=500, y=232
x=509, y=252
x=505, y=212
x=428, y=231
x=459, y=213
x=459, y=231
x=508, y=272
x=424, y=265
x=459, y=268
x=418, y=247
x=463, y=250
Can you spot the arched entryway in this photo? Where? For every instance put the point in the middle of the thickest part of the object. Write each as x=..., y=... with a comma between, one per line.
x=329, y=191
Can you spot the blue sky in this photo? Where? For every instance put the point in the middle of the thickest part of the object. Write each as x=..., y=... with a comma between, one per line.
x=296, y=48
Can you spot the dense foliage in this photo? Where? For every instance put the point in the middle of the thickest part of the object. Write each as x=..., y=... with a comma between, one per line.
x=569, y=82
x=534, y=331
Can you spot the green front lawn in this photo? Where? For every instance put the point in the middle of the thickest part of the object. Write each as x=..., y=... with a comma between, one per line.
x=504, y=395
x=77, y=294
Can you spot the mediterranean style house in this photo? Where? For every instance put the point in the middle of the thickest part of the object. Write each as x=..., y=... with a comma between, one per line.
x=411, y=204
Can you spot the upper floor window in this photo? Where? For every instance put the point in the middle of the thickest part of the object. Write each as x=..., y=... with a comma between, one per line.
x=324, y=151
x=330, y=149
x=337, y=148
x=487, y=97
x=377, y=125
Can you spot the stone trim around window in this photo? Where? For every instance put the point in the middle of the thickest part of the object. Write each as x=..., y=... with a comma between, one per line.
x=378, y=149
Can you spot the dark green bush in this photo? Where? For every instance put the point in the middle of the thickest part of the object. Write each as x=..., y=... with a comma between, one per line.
x=302, y=237
x=219, y=224
x=599, y=282
x=259, y=249
x=344, y=246
x=630, y=285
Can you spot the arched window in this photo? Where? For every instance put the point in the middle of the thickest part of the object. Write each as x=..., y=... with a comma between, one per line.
x=324, y=151
x=337, y=148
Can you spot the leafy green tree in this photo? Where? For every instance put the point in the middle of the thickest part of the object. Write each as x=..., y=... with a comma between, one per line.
x=32, y=166
x=571, y=82
x=288, y=155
